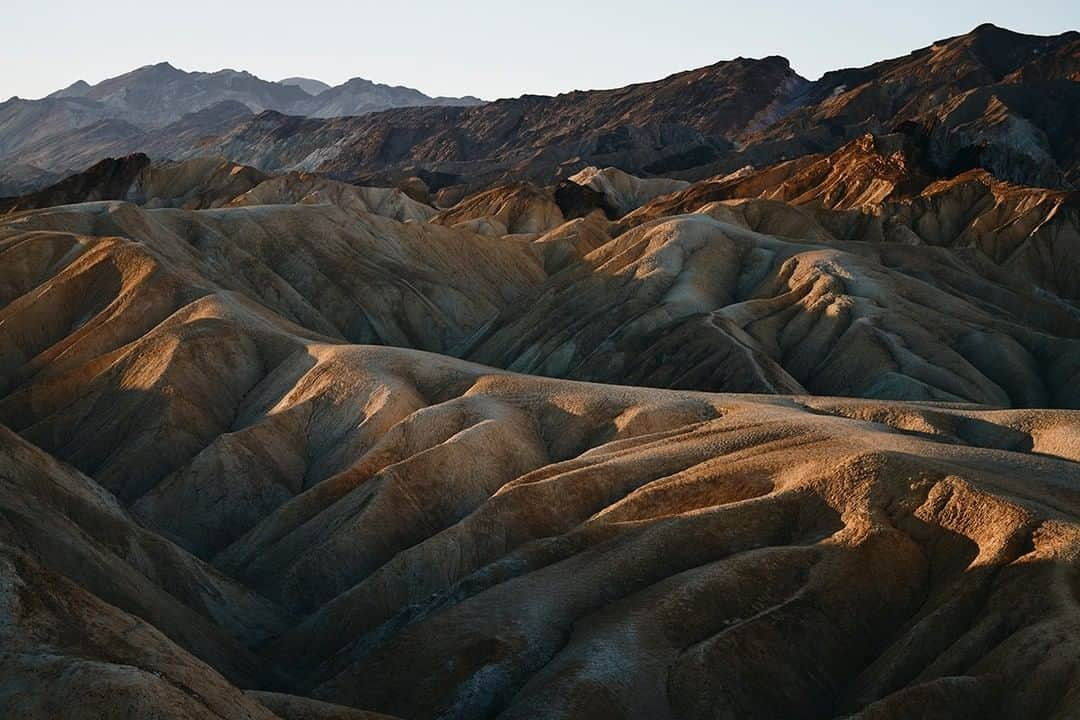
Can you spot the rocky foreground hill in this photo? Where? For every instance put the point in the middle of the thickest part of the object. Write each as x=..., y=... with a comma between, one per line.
x=215, y=486
x=515, y=435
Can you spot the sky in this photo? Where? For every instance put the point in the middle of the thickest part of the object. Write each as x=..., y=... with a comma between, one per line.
x=485, y=48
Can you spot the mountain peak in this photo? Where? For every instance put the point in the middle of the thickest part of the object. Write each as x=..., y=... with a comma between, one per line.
x=309, y=85
x=163, y=66
x=358, y=82
x=230, y=72
x=79, y=88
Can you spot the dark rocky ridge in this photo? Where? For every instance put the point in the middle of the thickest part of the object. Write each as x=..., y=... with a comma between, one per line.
x=686, y=120
x=1006, y=104
x=992, y=99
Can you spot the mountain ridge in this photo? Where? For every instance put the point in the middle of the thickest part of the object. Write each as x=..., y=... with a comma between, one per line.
x=152, y=97
x=1005, y=107
x=443, y=413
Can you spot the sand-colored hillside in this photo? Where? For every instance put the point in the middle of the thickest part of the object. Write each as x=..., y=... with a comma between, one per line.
x=727, y=395
x=430, y=538
x=697, y=302
x=237, y=481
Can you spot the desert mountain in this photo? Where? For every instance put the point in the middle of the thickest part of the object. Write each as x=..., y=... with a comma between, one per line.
x=396, y=524
x=160, y=94
x=71, y=151
x=876, y=190
x=157, y=95
x=728, y=395
x=359, y=96
x=134, y=105
x=308, y=85
x=679, y=122
x=960, y=291
x=1005, y=105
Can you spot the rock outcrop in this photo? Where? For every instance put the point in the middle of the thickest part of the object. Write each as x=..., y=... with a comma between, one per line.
x=519, y=208
x=195, y=184
x=622, y=191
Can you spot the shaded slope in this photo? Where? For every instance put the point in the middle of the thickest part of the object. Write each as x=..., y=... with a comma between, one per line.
x=193, y=184
x=700, y=302
x=678, y=122
x=211, y=182
x=492, y=549
x=697, y=301
x=412, y=534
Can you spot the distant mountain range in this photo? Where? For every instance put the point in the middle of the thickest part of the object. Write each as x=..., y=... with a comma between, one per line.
x=156, y=96
x=991, y=99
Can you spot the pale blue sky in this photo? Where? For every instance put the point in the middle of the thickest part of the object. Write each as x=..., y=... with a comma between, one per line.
x=487, y=48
